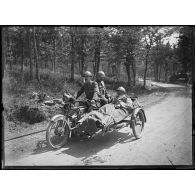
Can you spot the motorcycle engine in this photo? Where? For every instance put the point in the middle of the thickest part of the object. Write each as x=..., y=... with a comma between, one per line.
x=73, y=113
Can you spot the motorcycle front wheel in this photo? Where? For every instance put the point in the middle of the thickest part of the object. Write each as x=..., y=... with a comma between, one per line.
x=138, y=125
x=57, y=133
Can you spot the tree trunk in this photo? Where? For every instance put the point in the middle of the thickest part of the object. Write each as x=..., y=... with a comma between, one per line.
x=146, y=68
x=36, y=56
x=22, y=60
x=3, y=50
x=166, y=75
x=95, y=64
x=82, y=57
x=134, y=72
x=30, y=53
x=97, y=54
x=159, y=76
x=72, y=57
x=80, y=69
x=10, y=65
x=82, y=64
x=127, y=65
x=166, y=72
x=45, y=62
x=54, y=55
x=37, y=40
x=156, y=72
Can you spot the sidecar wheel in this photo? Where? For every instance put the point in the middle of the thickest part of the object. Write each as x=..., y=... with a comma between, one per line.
x=138, y=125
x=57, y=134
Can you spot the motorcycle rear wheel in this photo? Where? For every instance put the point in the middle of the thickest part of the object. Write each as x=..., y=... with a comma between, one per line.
x=138, y=125
x=60, y=136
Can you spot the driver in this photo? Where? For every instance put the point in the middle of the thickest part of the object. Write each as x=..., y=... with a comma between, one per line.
x=103, y=94
x=90, y=88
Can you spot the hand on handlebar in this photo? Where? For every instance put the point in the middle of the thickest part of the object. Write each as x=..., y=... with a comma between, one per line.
x=92, y=101
x=117, y=106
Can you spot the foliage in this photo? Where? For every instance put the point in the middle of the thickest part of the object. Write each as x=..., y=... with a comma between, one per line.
x=185, y=47
x=74, y=49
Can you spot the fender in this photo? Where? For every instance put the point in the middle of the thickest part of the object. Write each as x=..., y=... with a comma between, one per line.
x=135, y=111
x=64, y=118
x=57, y=116
x=60, y=116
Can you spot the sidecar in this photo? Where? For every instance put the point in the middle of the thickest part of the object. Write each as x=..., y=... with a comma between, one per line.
x=102, y=122
x=135, y=120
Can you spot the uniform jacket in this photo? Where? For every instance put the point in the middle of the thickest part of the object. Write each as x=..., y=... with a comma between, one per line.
x=90, y=89
x=102, y=89
x=124, y=101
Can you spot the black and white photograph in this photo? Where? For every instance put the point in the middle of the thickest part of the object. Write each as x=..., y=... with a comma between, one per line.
x=97, y=96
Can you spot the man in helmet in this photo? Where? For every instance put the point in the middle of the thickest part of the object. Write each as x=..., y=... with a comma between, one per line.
x=90, y=88
x=122, y=100
x=103, y=94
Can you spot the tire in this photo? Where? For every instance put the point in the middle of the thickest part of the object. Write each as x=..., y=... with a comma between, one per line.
x=62, y=135
x=138, y=132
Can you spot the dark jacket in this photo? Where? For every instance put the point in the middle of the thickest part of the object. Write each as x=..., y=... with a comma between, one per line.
x=91, y=90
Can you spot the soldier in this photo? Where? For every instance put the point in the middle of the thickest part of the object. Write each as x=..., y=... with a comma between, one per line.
x=122, y=100
x=90, y=88
x=103, y=94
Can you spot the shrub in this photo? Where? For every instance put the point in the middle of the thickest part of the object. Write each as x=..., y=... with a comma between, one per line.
x=24, y=112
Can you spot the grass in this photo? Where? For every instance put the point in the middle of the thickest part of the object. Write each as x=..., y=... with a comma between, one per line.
x=16, y=91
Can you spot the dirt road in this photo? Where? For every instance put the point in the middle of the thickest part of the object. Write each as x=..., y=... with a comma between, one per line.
x=166, y=140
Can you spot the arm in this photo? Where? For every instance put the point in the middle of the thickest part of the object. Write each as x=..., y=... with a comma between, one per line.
x=96, y=91
x=106, y=93
x=128, y=105
x=80, y=92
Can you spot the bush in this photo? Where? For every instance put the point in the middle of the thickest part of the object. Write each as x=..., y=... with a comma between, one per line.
x=24, y=112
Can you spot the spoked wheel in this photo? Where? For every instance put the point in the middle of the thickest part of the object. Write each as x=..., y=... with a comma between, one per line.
x=138, y=125
x=57, y=133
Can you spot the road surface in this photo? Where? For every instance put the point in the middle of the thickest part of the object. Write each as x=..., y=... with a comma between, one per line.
x=166, y=140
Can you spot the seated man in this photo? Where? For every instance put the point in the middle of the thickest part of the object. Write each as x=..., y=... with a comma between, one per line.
x=103, y=94
x=109, y=113
x=90, y=88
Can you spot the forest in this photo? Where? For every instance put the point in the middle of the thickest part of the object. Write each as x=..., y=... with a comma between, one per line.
x=123, y=52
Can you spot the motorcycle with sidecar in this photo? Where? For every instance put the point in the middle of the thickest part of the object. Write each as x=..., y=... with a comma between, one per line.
x=64, y=126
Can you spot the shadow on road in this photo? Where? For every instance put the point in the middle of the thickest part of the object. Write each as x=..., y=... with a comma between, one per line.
x=41, y=147
x=90, y=147
x=80, y=148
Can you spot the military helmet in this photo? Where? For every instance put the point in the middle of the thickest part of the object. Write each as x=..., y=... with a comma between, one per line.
x=121, y=89
x=101, y=74
x=87, y=74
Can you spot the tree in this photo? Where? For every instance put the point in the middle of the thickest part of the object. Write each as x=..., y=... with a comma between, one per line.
x=97, y=50
x=124, y=45
x=160, y=56
x=35, y=53
x=81, y=47
x=28, y=29
x=4, y=48
x=72, y=35
x=185, y=47
x=149, y=38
